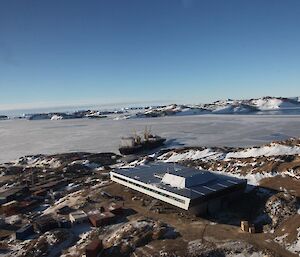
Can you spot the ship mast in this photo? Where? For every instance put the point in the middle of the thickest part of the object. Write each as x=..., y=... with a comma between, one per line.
x=147, y=133
x=137, y=138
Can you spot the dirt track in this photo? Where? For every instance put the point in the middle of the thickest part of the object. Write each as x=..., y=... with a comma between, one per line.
x=193, y=228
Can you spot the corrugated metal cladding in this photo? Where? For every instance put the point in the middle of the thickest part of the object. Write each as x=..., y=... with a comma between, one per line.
x=198, y=184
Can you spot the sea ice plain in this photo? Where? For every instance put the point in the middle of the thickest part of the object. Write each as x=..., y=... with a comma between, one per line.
x=23, y=137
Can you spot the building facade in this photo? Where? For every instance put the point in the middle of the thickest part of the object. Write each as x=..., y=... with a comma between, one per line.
x=198, y=191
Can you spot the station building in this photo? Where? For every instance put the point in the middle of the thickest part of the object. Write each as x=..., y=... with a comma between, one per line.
x=198, y=191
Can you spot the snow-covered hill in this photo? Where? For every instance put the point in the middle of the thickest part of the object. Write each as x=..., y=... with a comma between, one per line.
x=271, y=103
x=254, y=163
x=264, y=105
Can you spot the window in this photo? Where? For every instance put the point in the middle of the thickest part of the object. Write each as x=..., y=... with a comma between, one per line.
x=149, y=189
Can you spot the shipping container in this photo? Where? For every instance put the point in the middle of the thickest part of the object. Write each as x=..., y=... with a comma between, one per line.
x=10, y=208
x=45, y=223
x=17, y=193
x=24, y=232
x=95, y=220
x=78, y=217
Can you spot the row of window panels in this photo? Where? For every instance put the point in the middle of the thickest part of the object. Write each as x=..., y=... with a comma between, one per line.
x=150, y=189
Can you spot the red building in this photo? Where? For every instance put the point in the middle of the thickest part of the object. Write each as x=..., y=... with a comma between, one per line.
x=94, y=248
x=102, y=219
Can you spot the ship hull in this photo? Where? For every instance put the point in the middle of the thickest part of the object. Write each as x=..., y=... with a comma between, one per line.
x=148, y=145
x=130, y=150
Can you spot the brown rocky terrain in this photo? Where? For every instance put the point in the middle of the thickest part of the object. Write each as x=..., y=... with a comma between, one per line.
x=271, y=202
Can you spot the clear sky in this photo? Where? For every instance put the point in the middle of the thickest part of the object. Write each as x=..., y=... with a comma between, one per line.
x=73, y=52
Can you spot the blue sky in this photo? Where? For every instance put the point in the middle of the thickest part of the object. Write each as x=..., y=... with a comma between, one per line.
x=71, y=52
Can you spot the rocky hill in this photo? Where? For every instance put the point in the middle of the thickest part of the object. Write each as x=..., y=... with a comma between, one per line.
x=264, y=105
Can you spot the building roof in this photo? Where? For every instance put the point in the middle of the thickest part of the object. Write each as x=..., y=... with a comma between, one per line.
x=106, y=215
x=11, y=192
x=184, y=181
x=45, y=220
x=78, y=215
x=25, y=228
x=14, y=202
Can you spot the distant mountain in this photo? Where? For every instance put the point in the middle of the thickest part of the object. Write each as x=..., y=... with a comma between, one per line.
x=264, y=105
x=3, y=117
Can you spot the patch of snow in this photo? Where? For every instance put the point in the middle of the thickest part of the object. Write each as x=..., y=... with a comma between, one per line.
x=100, y=184
x=13, y=219
x=39, y=161
x=71, y=187
x=68, y=200
x=295, y=246
x=50, y=238
x=7, y=187
x=134, y=164
x=280, y=239
x=17, y=249
x=209, y=154
x=267, y=104
x=122, y=117
x=191, y=111
x=272, y=103
x=206, y=154
x=56, y=117
x=272, y=150
x=290, y=173
x=252, y=179
x=224, y=109
x=87, y=163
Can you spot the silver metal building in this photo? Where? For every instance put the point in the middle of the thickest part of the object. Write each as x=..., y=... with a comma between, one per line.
x=199, y=191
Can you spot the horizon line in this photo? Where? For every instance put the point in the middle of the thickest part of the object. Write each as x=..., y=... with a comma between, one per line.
x=122, y=104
